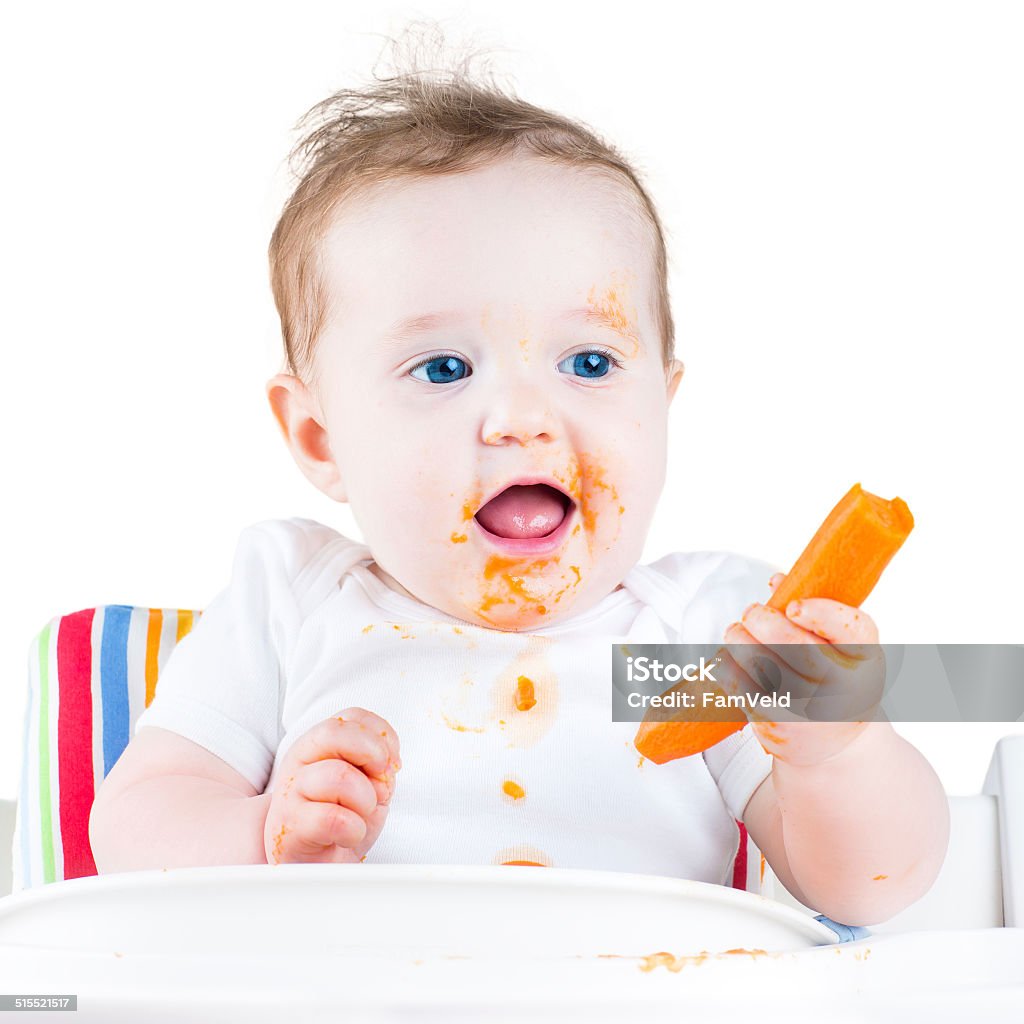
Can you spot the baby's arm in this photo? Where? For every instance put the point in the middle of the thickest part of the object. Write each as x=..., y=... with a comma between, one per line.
x=170, y=803
x=853, y=819
x=864, y=832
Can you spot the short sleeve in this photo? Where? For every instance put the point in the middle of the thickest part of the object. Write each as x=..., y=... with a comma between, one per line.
x=221, y=685
x=738, y=764
x=717, y=587
x=723, y=594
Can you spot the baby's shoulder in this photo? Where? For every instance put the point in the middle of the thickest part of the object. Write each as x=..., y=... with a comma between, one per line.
x=299, y=553
x=697, y=570
x=713, y=588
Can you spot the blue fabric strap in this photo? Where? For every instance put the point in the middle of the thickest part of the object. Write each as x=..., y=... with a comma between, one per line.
x=845, y=932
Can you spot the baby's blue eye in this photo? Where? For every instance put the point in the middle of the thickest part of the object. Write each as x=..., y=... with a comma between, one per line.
x=443, y=369
x=447, y=367
x=592, y=364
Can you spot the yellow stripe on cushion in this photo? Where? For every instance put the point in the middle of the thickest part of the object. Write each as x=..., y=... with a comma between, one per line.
x=153, y=630
x=185, y=622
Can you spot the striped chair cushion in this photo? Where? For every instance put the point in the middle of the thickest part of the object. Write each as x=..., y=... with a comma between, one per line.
x=91, y=674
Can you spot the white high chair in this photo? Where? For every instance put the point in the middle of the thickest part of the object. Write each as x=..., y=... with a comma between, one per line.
x=957, y=951
x=256, y=940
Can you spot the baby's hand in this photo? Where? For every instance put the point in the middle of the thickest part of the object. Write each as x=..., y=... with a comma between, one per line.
x=828, y=656
x=335, y=785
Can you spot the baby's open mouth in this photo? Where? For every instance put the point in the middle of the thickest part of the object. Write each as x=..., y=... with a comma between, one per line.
x=525, y=511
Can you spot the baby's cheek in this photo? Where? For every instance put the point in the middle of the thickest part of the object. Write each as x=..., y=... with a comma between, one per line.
x=601, y=505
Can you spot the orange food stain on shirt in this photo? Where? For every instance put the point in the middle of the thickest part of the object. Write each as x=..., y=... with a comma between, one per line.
x=525, y=698
x=513, y=789
x=366, y=629
x=526, y=724
x=523, y=854
x=459, y=727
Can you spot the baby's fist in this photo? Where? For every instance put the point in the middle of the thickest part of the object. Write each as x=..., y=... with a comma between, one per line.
x=335, y=784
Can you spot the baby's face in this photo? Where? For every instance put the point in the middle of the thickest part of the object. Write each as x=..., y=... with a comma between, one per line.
x=488, y=327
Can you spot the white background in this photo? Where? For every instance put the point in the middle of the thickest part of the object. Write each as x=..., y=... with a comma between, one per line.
x=841, y=184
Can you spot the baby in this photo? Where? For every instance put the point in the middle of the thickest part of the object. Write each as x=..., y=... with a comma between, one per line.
x=473, y=297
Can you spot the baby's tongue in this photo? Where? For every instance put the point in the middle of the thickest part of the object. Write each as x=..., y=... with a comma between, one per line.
x=523, y=511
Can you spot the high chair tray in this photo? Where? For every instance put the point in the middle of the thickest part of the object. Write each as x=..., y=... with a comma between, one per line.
x=439, y=943
x=392, y=910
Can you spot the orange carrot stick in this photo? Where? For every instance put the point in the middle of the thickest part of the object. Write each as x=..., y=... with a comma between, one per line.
x=848, y=554
x=844, y=561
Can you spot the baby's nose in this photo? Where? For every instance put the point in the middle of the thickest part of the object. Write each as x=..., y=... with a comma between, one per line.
x=518, y=423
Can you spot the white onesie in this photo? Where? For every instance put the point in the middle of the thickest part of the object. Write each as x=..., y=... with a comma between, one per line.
x=305, y=630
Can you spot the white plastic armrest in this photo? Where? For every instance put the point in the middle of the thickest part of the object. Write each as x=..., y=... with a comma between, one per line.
x=7, y=808
x=1005, y=781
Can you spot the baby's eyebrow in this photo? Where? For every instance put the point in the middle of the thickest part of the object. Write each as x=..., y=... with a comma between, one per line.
x=612, y=319
x=413, y=325
x=425, y=322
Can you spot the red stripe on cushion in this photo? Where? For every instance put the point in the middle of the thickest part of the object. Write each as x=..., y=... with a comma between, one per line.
x=74, y=741
x=739, y=868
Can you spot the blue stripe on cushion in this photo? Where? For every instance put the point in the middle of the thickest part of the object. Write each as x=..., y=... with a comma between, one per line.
x=114, y=683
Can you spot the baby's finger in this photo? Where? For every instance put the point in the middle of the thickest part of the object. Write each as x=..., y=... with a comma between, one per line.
x=379, y=726
x=318, y=825
x=352, y=741
x=338, y=782
x=766, y=671
x=847, y=628
x=774, y=582
x=730, y=678
x=793, y=645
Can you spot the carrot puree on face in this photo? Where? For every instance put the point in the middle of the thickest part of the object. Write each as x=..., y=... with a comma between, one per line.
x=844, y=561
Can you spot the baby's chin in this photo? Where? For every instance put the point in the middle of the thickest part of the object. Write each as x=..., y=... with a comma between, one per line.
x=518, y=602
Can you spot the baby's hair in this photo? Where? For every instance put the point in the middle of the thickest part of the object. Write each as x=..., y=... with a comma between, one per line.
x=413, y=124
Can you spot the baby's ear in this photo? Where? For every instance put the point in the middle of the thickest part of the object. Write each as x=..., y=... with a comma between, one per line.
x=673, y=375
x=299, y=416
